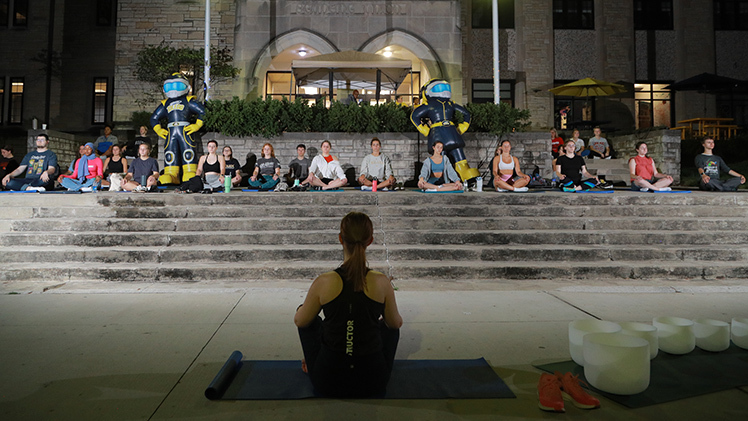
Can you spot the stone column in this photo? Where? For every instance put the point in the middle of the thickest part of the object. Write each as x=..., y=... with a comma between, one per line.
x=616, y=61
x=534, y=22
x=693, y=21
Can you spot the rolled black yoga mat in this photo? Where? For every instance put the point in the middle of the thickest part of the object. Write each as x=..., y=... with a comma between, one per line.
x=223, y=379
x=411, y=379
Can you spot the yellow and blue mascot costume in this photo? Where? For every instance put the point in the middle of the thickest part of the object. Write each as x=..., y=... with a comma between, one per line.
x=177, y=109
x=437, y=106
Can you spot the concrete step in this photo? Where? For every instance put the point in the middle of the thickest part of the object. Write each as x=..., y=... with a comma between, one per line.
x=402, y=270
x=313, y=237
x=389, y=224
x=279, y=254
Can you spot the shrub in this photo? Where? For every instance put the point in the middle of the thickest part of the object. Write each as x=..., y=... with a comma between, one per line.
x=272, y=117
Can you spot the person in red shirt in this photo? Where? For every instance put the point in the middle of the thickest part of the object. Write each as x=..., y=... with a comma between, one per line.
x=88, y=171
x=644, y=175
x=556, y=143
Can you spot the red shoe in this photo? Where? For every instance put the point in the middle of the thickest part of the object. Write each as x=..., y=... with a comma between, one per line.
x=571, y=390
x=549, y=393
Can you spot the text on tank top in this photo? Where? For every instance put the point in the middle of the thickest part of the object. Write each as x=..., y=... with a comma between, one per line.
x=351, y=323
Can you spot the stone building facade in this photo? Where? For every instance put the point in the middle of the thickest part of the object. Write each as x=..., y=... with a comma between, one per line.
x=442, y=38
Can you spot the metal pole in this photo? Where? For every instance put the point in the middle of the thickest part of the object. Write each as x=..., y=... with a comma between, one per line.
x=207, y=50
x=496, y=78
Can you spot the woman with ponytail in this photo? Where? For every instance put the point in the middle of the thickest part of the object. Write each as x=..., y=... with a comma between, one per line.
x=349, y=353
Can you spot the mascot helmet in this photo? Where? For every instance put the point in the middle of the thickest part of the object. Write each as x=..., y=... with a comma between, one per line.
x=176, y=86
x=437, y=88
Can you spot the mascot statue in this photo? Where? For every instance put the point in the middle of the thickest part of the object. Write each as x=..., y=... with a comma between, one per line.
x=179, y=149
x=437, y=106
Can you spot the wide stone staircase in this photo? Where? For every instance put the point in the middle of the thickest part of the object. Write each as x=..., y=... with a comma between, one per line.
x=450, y=240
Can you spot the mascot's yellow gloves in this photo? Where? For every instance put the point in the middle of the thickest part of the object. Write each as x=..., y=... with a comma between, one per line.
x=462, y=127
x=161, y=132
x=424, y=129
x=192, y=128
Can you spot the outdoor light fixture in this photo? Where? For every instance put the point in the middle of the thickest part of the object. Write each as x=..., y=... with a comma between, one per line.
x=302, y=52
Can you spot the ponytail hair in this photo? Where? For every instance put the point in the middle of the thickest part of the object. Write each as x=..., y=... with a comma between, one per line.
x=356, y=232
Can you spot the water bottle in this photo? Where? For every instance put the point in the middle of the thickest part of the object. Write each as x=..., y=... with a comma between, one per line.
x=479, y=184
x=374, y=185
x=143, y=180
x=227, y=184
x=94, y=187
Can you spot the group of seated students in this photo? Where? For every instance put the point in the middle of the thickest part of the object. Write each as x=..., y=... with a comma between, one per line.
x=324, y=172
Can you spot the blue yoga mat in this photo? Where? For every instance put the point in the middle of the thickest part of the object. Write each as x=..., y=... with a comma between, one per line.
x=411, y=379
x=17, y=191
x=439, y=192
x=673, y=191
x=595, y=191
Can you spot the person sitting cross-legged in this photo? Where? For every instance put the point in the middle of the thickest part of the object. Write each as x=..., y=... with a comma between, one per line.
x=325, y=172
x=507, y=176
x=437, y=172
x=570, y=168
x=39, y=168
x=87, y=173
x=267, y=170
x=142, y=168
x=644, y=175
x=376, y=166
x=709, y=167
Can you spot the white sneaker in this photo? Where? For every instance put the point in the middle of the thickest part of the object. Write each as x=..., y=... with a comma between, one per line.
x=385, y=189
x=35, y=189
x=431, y=190
x=86, y=189
x=140, y=189
x=365, y=188
x=665, y=189
x=521, y=189
x=644, y=189
x=499, y=189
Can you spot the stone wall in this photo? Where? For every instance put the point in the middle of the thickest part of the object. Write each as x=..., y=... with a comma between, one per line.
x=664, y=148
x=404, y=149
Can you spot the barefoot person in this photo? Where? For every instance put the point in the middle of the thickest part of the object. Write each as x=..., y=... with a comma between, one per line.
x=507, y=176
x=437, y=172
x=350, y=352
x=570, y=168
x=644, y=175
x=376, y=166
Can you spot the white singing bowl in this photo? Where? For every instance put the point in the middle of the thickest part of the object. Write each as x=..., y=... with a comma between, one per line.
x=579, y=328
x=644, y=331
x=740, y=332
x=711, y=335
x=616, y=362
x=675, y=334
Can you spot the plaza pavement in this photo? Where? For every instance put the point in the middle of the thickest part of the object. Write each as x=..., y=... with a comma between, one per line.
x=146, y=351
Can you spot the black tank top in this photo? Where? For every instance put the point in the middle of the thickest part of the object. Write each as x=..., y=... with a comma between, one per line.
x=351, y=323
x=114, y=166
x=214, y=167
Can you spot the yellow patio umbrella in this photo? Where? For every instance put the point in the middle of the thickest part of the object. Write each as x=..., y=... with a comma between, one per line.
x=588, y=87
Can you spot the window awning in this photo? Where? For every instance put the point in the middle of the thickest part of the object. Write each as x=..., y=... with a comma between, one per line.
x=360, y=69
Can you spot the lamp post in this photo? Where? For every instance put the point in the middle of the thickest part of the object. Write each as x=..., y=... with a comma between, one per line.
x=496, y=72
x=206, y=80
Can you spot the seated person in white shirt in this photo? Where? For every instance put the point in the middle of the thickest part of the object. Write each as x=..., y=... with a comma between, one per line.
x=376, y=166
x=325, y=171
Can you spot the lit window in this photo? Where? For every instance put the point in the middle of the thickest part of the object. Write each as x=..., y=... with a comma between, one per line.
x=16, y=100
x=573, y=14
x=653, y=105
x=20, y=12
x=100, y=99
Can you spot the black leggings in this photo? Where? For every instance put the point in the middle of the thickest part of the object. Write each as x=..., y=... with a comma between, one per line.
x=335, y=374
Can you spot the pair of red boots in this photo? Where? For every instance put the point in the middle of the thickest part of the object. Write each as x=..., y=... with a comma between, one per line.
x=554, y=389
